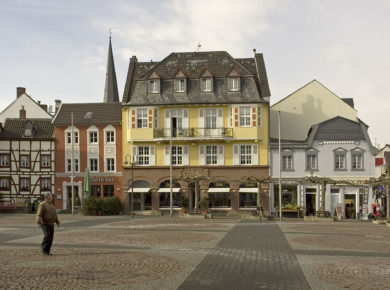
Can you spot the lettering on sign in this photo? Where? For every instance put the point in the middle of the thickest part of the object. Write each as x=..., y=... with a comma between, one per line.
x=102, y=179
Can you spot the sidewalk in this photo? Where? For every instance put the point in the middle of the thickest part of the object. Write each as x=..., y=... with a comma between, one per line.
x=162, y=253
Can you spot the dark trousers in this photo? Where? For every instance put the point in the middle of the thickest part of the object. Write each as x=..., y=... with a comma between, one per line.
x=48, y=235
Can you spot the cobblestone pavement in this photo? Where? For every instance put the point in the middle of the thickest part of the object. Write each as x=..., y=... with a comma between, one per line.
x=188, y=253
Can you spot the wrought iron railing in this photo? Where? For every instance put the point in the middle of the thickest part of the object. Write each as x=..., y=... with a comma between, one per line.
x=193, y=132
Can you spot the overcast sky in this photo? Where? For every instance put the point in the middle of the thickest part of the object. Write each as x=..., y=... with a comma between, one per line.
x=58, y=49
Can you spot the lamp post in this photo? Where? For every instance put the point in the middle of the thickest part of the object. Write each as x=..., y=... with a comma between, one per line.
x=280, y=173
x=133, y=161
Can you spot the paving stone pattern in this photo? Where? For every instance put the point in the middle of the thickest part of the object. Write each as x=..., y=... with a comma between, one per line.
x=250, y=256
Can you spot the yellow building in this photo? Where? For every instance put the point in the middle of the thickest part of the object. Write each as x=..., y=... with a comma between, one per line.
x=205, y=112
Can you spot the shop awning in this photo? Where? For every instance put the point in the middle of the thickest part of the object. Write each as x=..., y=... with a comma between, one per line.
x=174, y=189
x=248, y=189
x=219, y=189
x=140, y=189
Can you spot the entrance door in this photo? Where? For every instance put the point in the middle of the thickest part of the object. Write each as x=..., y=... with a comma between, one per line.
x=142, y=201
x=349, y=206
x=137, y=200
x=310, y=204
x=69, y=196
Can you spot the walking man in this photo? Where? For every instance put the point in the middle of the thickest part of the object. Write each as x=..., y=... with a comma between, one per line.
x=46, y=217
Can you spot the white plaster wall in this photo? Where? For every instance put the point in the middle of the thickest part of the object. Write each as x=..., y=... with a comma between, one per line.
x=309, y=105
x=33, y=110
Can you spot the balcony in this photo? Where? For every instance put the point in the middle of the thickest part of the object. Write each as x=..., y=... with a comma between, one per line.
x=193, y=133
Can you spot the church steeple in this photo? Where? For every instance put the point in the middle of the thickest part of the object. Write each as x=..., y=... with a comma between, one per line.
x=111, y=88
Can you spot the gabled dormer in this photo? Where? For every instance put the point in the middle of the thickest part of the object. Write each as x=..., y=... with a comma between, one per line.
x=28, y=129
x=233, y=80
x=154, y=83
x=206, y=81
x=180, y=82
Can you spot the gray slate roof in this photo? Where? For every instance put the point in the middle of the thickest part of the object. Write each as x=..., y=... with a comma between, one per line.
x=254, y=86
x=339, y=129
x=99, y=114
x=14, y=129
x=111, y=88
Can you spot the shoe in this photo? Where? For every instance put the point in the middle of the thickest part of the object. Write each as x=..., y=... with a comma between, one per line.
x=46, y=254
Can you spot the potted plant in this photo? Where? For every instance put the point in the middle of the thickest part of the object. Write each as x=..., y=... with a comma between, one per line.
x=184, y=203
x=204, y=204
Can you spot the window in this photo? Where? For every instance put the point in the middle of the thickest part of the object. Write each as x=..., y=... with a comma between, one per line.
x=93, y=137
x=180, y=85
x=25, y=161
x=45, y=160
x=206, y=85
x=110, y=136
x=95, y=190
x=234, y=84
x=156, y=118
x=211, y=155
x=45, y=184
x=4, y=183
x=248, y=199
x=311, y=161
x=339, y=159
x=245, y=116
x=143, y=155
x=177, y=155
x=287, y=160
x=165, y=199
x=4, y=160
x=27, y=132
x=142, y=118
x=69, y=165
x=220, y=199
x=93, y=164
x=245, y=154
x=110, y=164
x=211, y=118
x=177, y=115
x=69, y=137
x=108, y=190
x=154, y=86
x=357, y=160
x=25, y=184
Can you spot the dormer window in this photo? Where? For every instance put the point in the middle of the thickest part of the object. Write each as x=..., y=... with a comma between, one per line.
x=154, y=83
x=206, y=84
x=27, y=132
x=154, y=86
x=180, y=85
x=234, y=84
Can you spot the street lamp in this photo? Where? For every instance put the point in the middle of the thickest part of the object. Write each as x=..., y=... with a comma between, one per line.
x=133, y=161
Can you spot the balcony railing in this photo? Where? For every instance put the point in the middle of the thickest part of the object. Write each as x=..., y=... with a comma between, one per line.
x=193, y=133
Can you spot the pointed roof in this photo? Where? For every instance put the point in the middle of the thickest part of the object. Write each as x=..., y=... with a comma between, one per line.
x=111, y=89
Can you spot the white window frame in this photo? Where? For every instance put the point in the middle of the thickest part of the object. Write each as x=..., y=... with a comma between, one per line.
x=143, y=155
x=340, y=159
x=309, y=163
x=25, y=184
x=45, y=160
x=68, y=134
x=110, y=164
x=45, y=183
x=287, y=162
x=206, y=84
x=5, y=160
x=210, y=118
x=141, y=118
x=234, y=84
x=5, y=183
x=357, y=160
x=25, y=161
x=69, y=165
x=110, y=136
x=93, y=137
x=93, y=164
x=245, y=154
x=211, y=154
x=244, y=116
x=153, y=86
x=177, y=155
x=180, y=85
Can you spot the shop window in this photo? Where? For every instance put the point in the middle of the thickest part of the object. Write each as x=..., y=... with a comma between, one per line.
x=165, y=199
x=96, y=190
x=220, y=199
x=108, y=190
x=248, y=200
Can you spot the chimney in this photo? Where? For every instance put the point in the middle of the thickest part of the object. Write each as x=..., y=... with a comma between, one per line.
x=44, y=107
x=58, y=104
x=20, y=91
x=22, y=113
x=133, y=59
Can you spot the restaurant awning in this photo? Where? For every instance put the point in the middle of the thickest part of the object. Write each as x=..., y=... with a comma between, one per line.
x=219, y=189
x=248, y=189
x=174, y=189
x=140, y=189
